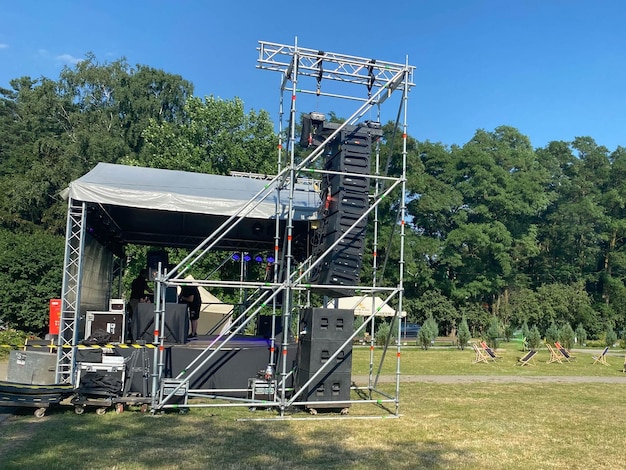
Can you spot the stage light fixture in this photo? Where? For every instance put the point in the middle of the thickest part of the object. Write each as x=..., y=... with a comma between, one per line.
x=247, y=257
x=258, y=258
x=270, y=259
x=236, y=256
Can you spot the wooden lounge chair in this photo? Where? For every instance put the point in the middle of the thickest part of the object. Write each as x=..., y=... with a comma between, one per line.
x=564, y=352
x=601, y=359
x=481, y=356
x=490, y=352
x=555, y=355
x=528, y=359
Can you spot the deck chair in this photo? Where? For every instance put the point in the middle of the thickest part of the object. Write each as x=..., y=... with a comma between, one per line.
x=564, y=352
x=601, y=359
x=490, y=352
x=555, y=355
x=481, y=356
x=528, y=359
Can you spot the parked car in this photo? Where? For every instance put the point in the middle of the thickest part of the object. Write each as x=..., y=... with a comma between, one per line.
x=409, y=330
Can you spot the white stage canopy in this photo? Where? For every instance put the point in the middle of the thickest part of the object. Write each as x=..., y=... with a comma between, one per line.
x=150, y=206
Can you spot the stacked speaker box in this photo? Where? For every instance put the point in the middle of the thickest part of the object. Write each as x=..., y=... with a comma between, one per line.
x=153, y=259
x=344, y=201
x=322, y=333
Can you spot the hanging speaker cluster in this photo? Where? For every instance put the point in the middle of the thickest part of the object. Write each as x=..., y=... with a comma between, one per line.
x=344, y=200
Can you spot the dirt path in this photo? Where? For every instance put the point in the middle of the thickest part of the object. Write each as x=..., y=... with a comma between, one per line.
x=468, y=379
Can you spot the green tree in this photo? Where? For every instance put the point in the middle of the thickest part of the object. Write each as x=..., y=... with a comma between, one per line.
x=211, y=136
x=30, y=275
x=59, y=130
x=435, y=305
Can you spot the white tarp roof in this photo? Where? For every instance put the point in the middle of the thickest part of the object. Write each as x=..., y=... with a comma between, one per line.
x=362, y=305
x=180, y=191
x=150, y=206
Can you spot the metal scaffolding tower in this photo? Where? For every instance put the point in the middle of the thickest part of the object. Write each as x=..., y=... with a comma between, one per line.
x=302, y=72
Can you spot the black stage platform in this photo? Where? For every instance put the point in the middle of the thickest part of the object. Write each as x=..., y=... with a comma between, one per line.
x=241, y=358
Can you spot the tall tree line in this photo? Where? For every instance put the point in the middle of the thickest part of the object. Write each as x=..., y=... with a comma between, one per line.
x=494, y=228
x=54, y=131
x=499, y=229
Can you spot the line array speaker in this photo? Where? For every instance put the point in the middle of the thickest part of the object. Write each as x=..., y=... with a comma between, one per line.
x=344, y=201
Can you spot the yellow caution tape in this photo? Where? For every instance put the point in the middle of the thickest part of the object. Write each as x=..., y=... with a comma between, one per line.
x=84, y=346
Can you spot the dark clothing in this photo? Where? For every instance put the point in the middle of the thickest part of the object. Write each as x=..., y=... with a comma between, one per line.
x=195, y=304
x=138, y=288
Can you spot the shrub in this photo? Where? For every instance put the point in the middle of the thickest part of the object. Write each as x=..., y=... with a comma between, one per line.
x=463, y=333
x=493, y=333
x=432, y=327
x=610, y=337
x=11, y=339
x=525, y=331
x=428, y=332
x=552, y=333
x=567, y=336
x=534, y=338
x=507, y=332
x=382, y=332
x=581, y=334
x=424, y=337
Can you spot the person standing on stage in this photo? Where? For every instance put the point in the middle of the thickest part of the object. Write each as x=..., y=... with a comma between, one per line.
x=139, y=289
x=190, y=295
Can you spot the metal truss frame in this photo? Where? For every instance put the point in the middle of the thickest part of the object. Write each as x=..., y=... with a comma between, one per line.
x=381, y=79
x=70, y=292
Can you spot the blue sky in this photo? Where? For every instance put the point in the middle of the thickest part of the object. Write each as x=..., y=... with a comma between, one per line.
x=554, y=69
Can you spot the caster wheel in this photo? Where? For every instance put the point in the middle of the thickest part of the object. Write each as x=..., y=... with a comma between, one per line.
x=100, y=411
x=79, y=410
x=119, y=408
x=40, y=412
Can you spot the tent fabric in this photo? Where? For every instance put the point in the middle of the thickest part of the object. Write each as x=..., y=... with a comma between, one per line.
x=179, y=191
x=362, y=306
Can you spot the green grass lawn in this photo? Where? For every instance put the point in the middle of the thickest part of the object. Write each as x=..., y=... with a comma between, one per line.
x=453, y=361
x=441, y=426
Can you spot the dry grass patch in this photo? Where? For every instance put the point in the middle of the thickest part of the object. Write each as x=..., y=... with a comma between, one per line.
x=501, y=426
